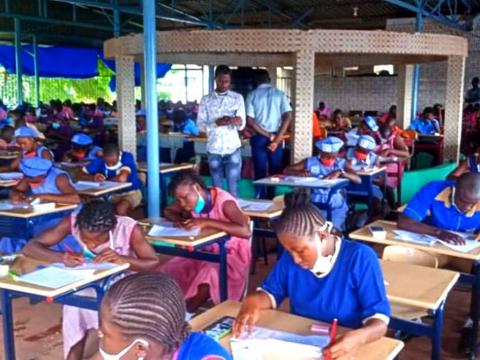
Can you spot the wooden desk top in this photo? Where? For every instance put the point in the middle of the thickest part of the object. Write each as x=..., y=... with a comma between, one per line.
x=23, y=265
x=365, y=235
x=8, y=183
x=205, y=236
x=29, y=212
x=166, y=167
x=371, y=172
x=103, y=191
x=285, y=181
x=383, y=349
x=419, y=286
x=273, y=211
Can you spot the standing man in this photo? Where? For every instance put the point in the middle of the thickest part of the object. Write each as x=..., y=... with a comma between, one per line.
x=473, y=94
x=269, y=113
x=222, y=115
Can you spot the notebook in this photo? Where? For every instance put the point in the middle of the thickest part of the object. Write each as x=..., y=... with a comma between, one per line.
x=54, y=278
x=167, y=229
x=470, y=240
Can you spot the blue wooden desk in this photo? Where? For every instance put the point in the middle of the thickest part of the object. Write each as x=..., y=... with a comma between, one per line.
x=10, y=289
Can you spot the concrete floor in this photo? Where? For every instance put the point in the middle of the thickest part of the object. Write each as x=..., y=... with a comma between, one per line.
x=38, y=327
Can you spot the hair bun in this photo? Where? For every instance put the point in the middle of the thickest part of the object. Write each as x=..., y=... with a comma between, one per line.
x=297, y=198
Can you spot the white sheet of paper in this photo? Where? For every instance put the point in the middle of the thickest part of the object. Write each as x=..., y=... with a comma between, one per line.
x=166, y=229
x=414, y=237
x=88, y=265
x=266, y=343
x=86, y=185
x=469, y=245
x=10, y=205
x=11, y=175
x=54, y=278
x=254, y=205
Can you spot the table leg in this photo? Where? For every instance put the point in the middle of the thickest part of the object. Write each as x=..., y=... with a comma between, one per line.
x=8, y=335
x=475, y=311
x=163, y=192
x=223, y=271
x=437, y=332
x=370, y=195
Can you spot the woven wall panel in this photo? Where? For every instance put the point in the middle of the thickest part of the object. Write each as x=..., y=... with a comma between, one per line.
x=127, y=134
x=454, y=107
x=238, y=59
x=303, y=99
x=278, y=41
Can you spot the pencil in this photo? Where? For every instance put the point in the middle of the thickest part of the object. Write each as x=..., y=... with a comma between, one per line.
x=333, y=331
x=70, y=250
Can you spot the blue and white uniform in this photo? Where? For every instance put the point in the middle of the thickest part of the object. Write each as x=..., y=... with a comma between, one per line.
x=437, y=199
x=366, y=142
x=473, y=165
x=200, y=347
x=353, y=135
x=352, y=291
x=338, y=202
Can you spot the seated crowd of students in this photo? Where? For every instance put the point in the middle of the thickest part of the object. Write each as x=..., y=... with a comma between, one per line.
x=324, y=275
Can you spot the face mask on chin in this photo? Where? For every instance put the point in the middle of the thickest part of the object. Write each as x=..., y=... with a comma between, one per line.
x=118, y=356
x=327, y=162
x=200, y=205
x=323, y=264
x=361, y=156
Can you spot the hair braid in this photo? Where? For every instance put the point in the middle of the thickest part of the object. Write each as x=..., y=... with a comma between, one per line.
x=96, y=216
x=300, y=216
x=149, y=306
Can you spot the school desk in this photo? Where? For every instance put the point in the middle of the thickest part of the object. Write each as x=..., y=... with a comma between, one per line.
x=20, y=222
x=194, y=248
x=266, y=216
x=8, y=154
x=382, y=349
x=472, y=279
x=103, y=190
x=331, y=185
x=364, y=191
x=418, y=288
x=10, y=289
x=167, y=170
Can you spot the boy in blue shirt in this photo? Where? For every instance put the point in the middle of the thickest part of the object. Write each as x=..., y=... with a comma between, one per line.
x=184, y=125
x=120, y=166
x=426, y=124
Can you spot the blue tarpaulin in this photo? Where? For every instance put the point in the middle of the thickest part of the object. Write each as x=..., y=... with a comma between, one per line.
x=66, y=62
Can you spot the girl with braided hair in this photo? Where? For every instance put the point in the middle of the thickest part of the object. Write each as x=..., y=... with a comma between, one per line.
x=99, y=234
x=325, y=277
x=198, y=206
x=143, y=317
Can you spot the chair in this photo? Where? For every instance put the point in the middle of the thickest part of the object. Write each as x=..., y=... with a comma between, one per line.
x=409, y=255
x=250, y=241
x=405, y=254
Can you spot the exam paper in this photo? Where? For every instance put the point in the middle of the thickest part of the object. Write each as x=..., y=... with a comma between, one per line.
x=10, y=205
x=87, y=185
x=469, y=245
x=54, y=278
x=167, y=229
x=265, y=344
x=11, y=176
x=254, y=205
x=88, y=265
x=412, y=237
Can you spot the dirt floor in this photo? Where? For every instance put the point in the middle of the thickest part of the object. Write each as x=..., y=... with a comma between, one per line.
x=38, y=327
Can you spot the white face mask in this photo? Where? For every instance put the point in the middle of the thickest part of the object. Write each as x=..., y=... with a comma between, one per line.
x=323, y=264
x=117, y=166
x=119, y=355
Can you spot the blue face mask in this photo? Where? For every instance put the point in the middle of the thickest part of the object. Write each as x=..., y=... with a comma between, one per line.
x=200, y=204
x=56, y=125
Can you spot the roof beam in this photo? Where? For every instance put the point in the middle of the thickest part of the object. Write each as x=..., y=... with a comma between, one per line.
x=425, y=13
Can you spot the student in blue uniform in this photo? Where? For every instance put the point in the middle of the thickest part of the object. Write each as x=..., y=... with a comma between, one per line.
x=442, y=207
x=43, y=181
x=363, y=158
x=120, y=166
x=470, y=164
x=368, y=126
x=184, y=125
x=327, y=165
x=25, y=138
x=142, y=316
x=83, y=149
x=324, y=276
x=426, y=124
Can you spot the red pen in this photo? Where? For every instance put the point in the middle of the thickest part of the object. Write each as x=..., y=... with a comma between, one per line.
x=333, y=334
x=70, y=250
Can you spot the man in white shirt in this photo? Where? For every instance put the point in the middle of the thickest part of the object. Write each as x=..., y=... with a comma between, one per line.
x=222, y=115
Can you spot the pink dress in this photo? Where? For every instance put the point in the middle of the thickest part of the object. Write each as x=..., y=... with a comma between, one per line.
x=190, y=273
x=392, y=168
x=77, y=321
